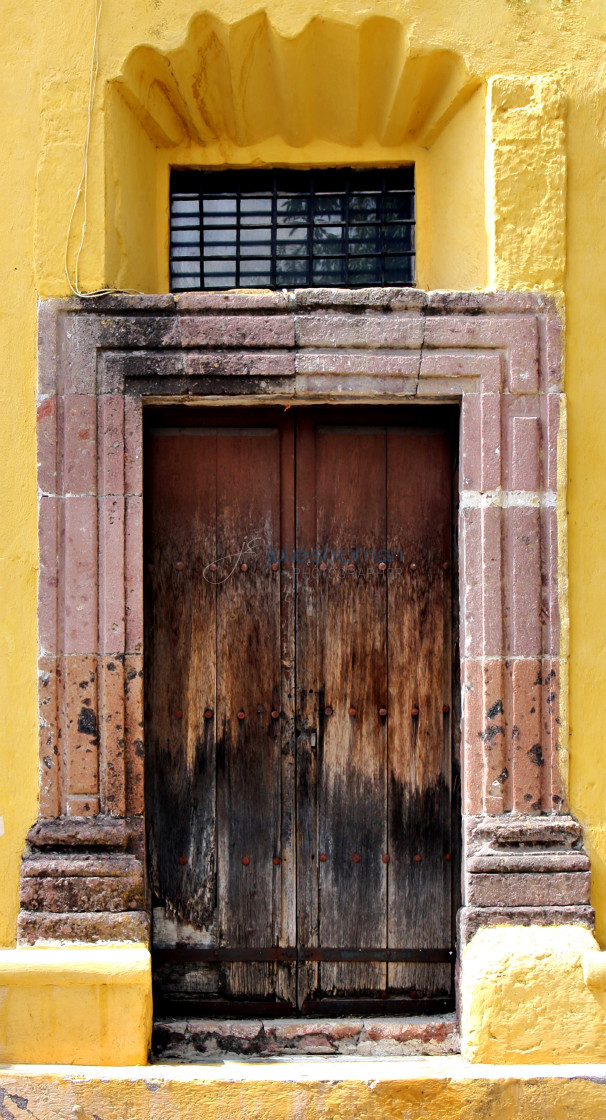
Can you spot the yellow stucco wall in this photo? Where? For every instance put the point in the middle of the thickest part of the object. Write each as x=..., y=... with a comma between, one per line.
x=302, y=81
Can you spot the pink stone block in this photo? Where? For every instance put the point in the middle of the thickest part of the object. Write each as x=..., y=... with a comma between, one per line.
x=80, y=726
x=50, y=758
x=112, y=734
x=554, y=786
x=525, y=434
x=461, y=371
x=133, y=446
x=78, y=427
x=523, y=581
x=552, y=367
x=550, y=605
x=111, y=575
x=87, y=806
x=237, y=331
x=46, y=427
x=221, y=301
x=528, y=756
x=494, y=735
x=360, y=362
x=470, y=442
x=472, y=707
x=133, y=574
x=79, y=584
x=492, y=581
x=133, y=746
x=48, y=575
x=551, y=405
x=404, y=332
x=523, y=356
x=238, y=363
x=111, y=444
x=470, y=582
x=491, y=456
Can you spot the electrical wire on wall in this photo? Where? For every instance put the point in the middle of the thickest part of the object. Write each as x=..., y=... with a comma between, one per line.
x=82, y=191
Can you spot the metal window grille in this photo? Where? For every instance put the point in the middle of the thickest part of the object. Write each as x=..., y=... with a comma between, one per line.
x=292, y=229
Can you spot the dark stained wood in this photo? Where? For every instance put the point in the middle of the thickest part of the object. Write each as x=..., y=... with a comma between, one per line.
x=221, y=640
x=349, y=614
x=419, y=623
x=249, y=749
x=300, y=832
x=180, y=673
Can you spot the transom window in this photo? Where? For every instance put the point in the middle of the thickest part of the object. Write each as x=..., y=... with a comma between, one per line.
x=292, y=229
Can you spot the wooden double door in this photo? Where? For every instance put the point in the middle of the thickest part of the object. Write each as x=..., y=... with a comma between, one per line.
x=302, y=830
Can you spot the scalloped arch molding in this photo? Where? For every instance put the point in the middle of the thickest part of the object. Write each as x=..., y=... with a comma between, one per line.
x=336, y=80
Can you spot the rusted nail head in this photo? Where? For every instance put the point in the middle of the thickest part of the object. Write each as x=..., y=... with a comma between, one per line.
x=275, y=567
x=212, y=567
x=446, y=709
x=323, y=566
x=183, y=860
x=277, y=861
x=385, y=857
x=418, y=859
x=275, y=714
x=328, y=711
x=178, y=714
x=413, y=567
x=382, y=711
x=356, y=857
x=382, y=566
x=245, y=860
x=414, y=711
x=351, y=567
x=179, y=565
x=208, y=713
x=448, y=857
x=322, y=858
x=446, y=565
x=243, y=567
x=241, y=715
x=352, y=711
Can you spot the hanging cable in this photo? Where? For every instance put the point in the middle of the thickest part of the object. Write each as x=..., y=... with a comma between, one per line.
x=82, y=191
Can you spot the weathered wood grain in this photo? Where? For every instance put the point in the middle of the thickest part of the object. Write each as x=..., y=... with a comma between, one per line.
x=419, y=614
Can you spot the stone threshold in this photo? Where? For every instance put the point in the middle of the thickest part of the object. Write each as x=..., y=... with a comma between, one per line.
x=191, y=1040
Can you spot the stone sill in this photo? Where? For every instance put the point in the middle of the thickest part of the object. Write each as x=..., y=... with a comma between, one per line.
x=199, y=1040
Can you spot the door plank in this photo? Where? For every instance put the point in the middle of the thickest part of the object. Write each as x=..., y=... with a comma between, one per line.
x=249, y=749
x=180, y=674
x=350, y=616
x=419, y=629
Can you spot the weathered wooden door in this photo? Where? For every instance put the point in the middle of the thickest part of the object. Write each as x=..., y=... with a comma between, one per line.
x=299, y=753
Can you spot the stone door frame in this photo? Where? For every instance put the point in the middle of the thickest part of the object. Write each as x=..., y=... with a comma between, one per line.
x=100, y=361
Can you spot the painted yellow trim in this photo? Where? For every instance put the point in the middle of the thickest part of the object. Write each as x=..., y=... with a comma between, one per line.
x=532, y=995
x=330, y=1089
x=75, y=1004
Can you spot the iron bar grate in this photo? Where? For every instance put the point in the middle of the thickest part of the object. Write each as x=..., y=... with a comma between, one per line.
x=292, y=229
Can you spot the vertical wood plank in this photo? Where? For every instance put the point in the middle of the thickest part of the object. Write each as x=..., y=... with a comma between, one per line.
x=180, y=672
x=419, y=628
x=249, y=749
x=350, y=613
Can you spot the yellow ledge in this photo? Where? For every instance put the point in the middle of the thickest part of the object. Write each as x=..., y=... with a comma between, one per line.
x=75, y=1004
x=418, y=1089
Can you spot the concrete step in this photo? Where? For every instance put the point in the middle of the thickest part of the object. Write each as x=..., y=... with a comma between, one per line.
x=304, y=1088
